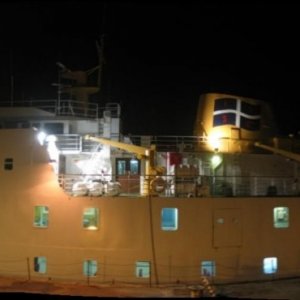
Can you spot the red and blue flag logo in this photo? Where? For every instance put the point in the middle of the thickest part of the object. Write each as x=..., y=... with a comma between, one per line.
x=231, y=111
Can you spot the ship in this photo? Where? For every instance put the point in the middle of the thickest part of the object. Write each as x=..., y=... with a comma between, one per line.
x=81, y=202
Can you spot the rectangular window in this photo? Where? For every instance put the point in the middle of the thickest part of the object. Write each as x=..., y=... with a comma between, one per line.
x=90, y=267
x=134, y=166
x=142, y=269
x=270, y=265
x=8, y=164
x=281, y=217
x=250, y=109
x=90, y=218
x=225, y=103
x=169, y=219
x=250, y=124
x=208, y=268
x=127, y=166
x=224, y=119
x=41, y=215
x=121, y=167
x=40, y=264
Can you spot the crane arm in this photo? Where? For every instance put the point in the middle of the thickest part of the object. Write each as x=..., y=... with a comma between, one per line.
x=282, y=152
x=148, y=154
x=141, y=152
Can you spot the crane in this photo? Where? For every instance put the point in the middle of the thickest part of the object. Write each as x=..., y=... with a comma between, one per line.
x=152, y=183
x=287, y=154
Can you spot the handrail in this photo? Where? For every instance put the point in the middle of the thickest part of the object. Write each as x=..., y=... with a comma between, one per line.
x=67, y=107
x=201, y=186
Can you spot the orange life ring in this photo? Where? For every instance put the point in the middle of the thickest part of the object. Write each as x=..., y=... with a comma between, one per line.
x=158, y=185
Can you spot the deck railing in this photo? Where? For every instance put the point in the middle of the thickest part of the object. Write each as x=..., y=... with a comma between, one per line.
x=196, y=186
x=68, y=107
x=76, y=142
x=169, y=143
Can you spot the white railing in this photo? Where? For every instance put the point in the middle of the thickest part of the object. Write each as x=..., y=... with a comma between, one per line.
x=68, y=107
x=202, y=186
x=169, y=143
x=76, y=142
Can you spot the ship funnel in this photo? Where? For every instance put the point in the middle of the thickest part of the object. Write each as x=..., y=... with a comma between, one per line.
x=232, y=124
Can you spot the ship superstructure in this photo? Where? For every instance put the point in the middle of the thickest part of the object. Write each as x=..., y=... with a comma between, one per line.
x=78, y=201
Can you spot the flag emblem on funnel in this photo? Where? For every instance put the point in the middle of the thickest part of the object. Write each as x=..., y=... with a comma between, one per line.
x=230, y=111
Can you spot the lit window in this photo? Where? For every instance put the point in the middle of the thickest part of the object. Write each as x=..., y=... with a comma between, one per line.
x=41, y=215
x=8, y=164
x=281, y=217
x=169, y=219
x=40, y=264
x=270, y=265
x=142, y=269
x=121, y=167
x=134, y=166
x=90, y=218
x=90, y=267
x=208, y=268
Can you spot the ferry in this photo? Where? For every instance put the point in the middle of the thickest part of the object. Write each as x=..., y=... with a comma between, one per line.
x=81, y=202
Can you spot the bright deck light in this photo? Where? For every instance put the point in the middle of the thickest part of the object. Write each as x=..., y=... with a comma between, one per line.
x=41, y=136
x=214, y=141
x=216, y=160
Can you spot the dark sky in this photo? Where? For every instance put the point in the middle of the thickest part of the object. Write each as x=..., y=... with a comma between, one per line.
x=160, y=56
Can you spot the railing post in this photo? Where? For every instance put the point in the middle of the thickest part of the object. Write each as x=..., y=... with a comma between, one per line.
x=80, y=143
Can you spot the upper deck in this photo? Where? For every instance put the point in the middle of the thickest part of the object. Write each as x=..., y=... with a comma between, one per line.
x=238, y=174
x=52, y=108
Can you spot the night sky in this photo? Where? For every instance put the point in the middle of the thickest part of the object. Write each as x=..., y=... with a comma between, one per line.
x=160, y=56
